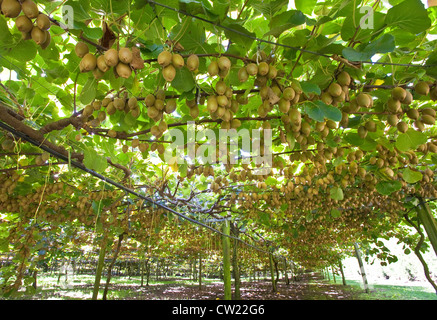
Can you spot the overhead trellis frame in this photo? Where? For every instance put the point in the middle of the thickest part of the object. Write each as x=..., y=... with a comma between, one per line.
x=80, y=166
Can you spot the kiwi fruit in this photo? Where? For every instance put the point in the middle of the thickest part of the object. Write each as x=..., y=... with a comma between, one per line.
x=8, y=145
x=101, y=64
x=149, y=100
x=177, y=61
x=394, y=105
x=288, y=93
x=110, y=109
x=11, y=8
x=43, y=22
x=408, y=98
x=30, y=9
x=125, y=55
x=81, y=49
x=123, y=70
x=111, y=58
x=326, y=98
x=398, y=93
x=169, y=73
x=370, y=126
x=252, y=69
x=222, y=101
x=170, y=106
x=284, y=105
x=363, y=100
x=362, y=132
x=164, y=58
x=159, y=104
x=212, y=104
x=413, y=114
x=335, y=89
x=213, y=68
x=193, y=62
x=152, y=112
x=24, y=24
x=194, y=112
x=263, y=68
x=402, y=126
x=344, y=79
x=433, y=94
x=224, y=63
x=392, y=119
x=26, y=35
x=119, y=103
x=46, y=43
x=428, y=119
x=88, y=63
x=243, y=76
x=428, y=111
x=273, y=72
x=422, y=88
x=38, y=35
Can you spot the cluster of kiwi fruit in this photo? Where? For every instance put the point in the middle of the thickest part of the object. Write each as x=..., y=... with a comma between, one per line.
x=119, y=60
x=170, y=62
x=222, y=105
x=157, y=105
x=262, y=71
x=32, y=24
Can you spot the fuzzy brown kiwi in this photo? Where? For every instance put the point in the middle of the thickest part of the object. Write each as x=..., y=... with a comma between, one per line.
x=101, y=64
x=193, y=62
x=125, y=55
x=263, y=68
x=170, y=106
x=344, y=79
x=164, y=58
x=363, y=100
x=30, y=9
x=220, y=87
x=252, y=69
x=81, y=49
x=224, y=63
x=213, y=68
x=11, y=8
x=123, y=70
x=43, y=22
x=24, y=24
x=335, y=90
x=38, y=35
x=243, y=76
x=169, y=73
x=111, y=57
x=422, y=88
x=177, y=61
x=398, y=93
x=88, y=63
x=46, y=43
x=149, y=100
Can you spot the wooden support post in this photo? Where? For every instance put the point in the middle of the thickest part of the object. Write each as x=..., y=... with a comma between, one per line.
x=363, y=272
x=272, y=273
x=99, y=268
x=227, y=262
x=235, y=268
x=200, y=271
x=109, y=276
x=342, y=273
x=429, y=222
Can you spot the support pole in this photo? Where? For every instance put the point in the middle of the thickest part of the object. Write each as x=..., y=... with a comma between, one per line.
x=99, y=268
x=363, y=272
x=235, y=268
x=227, y=261
x=272, y=273
x=429, y=222
x=342, y=273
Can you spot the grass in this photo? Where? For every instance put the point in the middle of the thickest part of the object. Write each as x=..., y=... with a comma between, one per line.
x=387, y=292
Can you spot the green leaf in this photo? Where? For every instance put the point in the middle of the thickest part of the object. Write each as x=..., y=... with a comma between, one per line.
x=285, y=21
x=388, y=187
x=306, y=6
x=308, y=87
x=383, y=44
x=89, y=91
x=336, y=193
x=241, y=37
x=409, y=15
x=24, y=51
x=410, y=140
x=411, y=176
x=183, y=80
x=92, y=160
x=318, y=110
x=335, y=213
